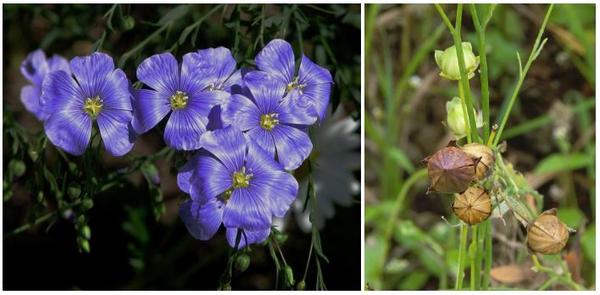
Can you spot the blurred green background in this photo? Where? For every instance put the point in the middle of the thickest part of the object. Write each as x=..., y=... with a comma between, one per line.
x=550, y=136
x=130, y=247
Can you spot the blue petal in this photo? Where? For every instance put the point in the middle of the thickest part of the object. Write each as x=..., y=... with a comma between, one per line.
x=115, y=93
x=241, y=112
x=30, y=97
x=291, y=113
x=293, y=146
x=70, y=131
x=184, y=128
x=247, y=237
x=91, y=71
x=35, y=67
x=234, y=81
x=211, y=178
x=214, y=119
x=185, y=174
x=264, y=139
x=58, y=63
x=266, y=91
x=61, y=93
x=317, y=81
x=202, y=221
x=150, y=108
x=213, y=65
x=277, y=59
x=270, y=181
x=161, y=73
x=228, y=145
x=114, y=129
x=247, y=209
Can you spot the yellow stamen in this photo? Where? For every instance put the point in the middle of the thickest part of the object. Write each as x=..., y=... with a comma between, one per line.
x=92, y=106
x=179, y=100
x=241, y=179
x=269, y=121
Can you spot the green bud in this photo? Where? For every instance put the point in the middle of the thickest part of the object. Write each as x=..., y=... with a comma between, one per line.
x=86, y=232
x=17, y=168
x=73, y=167
x=40, y=197
x=73, y=191
x=33, y=154
x=84, y=245
x=447, y=61
x=301, y=285
x=242, y=262
x=289, y=275
x=128, y=23
x=87, y=203
x=456, y=120
x=280, y=237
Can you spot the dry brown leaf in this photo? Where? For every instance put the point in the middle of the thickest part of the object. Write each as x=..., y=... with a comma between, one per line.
x=510, y=274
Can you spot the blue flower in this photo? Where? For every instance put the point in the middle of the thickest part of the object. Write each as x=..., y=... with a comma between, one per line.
x=310, y=89
x=96, y=91
x=188, y=94
x=276, y=123
x=234, y=182
x=35, y=68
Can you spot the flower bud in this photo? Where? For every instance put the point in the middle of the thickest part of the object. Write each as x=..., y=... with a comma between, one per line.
x=242, y=262
x=447, y=61
x=450, y=170
x=301, y=285
x=484, y=154
x=473, y=206
x=17, y=168
x=289, y=275
x=547, y=234
x=456, y=118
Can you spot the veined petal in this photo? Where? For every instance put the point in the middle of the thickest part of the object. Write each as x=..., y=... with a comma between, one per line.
x=212, y=178
x=30, y=97
x=58, y=63
x=264, y=139
x=247, y=237
x=185, y=174
x=61, y=93
x=317, y=81
x=266, y=91
x=240, y=111
x=150, y=108
x=277, y=59
x=202, y=220
x=35, y=67
x=293, y=146
x=247, y=209
x=91, y=72
x=160, y=72
x=235, y=80
x=291, y=113
x=115, y=93
x=213, y=65
x=114, y=129
x=203, y=102
x=69, y=130
x=228, y=145
x=270, y=181
x=184, y=128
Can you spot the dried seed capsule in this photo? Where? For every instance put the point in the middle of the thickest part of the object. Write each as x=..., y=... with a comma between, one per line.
x=473, y=206
x=547, y=234
x=450, y=170
x=486, y=156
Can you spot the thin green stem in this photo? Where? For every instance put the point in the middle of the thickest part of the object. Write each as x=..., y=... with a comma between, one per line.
x=473, y=249
x=483, y=72
x=488, y=255
x=565, y=277
x=414, y=178
x=535, y=51
x=463, y=105
x=461, y=253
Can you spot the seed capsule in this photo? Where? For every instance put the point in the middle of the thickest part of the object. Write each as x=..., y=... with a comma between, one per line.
x=486, y=158
x=473, y=206
x=547, y=234
x=450, y=170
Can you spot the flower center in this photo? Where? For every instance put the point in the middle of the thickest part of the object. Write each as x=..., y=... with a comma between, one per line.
x=269, y=121
x=241, y=179
x=92, y=106
x=294, y=85
x=179, y=100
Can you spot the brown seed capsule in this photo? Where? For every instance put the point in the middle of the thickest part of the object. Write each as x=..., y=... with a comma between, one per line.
x=486, y=156
x=450, y=170
x=473, y=206
x=547, y=234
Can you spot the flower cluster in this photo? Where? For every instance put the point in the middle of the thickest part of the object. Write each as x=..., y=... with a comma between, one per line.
x=246, y=129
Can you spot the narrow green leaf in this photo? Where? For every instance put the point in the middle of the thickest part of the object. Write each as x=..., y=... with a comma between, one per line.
x=563, y=162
